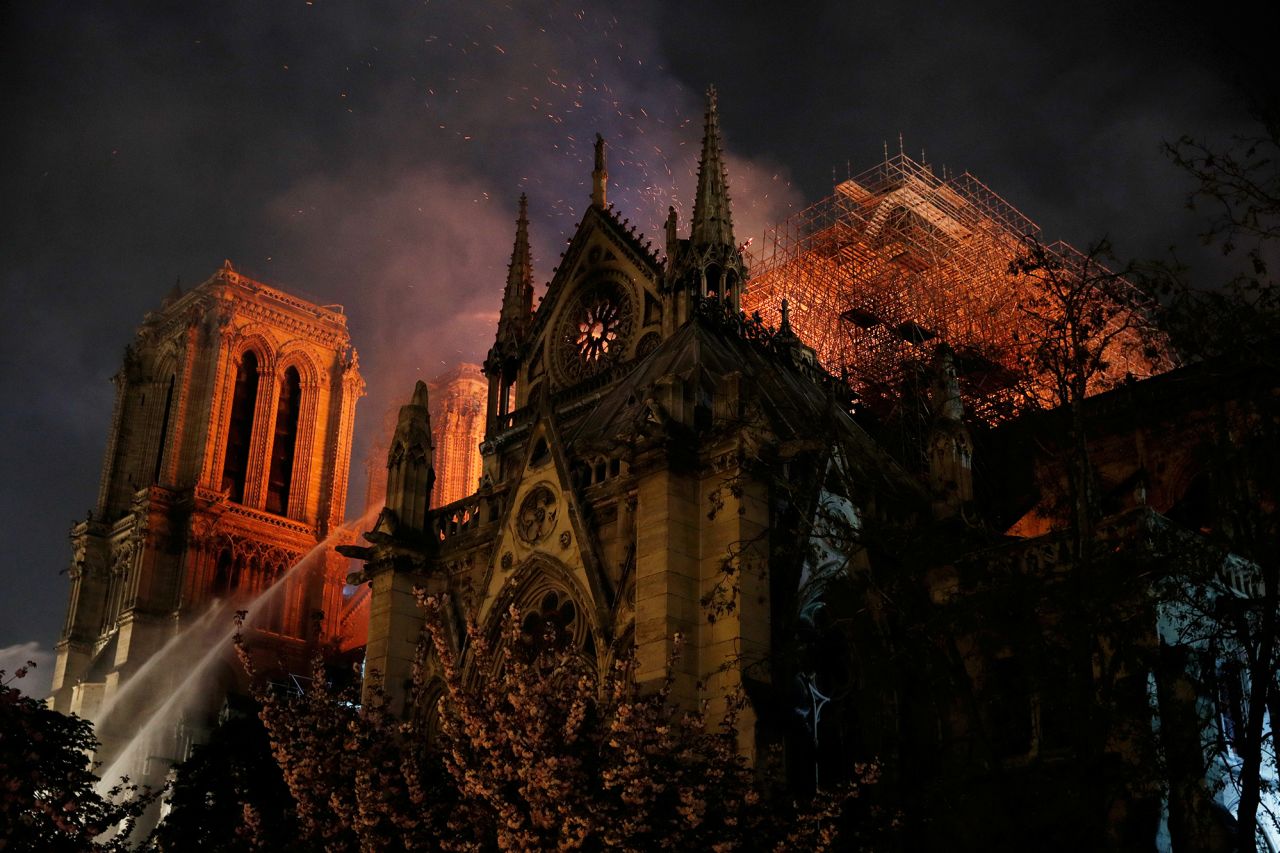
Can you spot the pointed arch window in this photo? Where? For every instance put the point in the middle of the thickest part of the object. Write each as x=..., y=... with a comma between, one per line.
x=284, y=442
x=274, y=602
x=712, y=281
x=732, y=288
x=226, y=574
x=164, y=430
x=244, y=400
x=547, y=627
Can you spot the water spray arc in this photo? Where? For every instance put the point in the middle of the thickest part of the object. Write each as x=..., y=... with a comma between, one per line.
x=185, y=667
x=208, y=624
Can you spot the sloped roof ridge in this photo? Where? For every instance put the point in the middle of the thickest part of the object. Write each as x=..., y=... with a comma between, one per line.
x=628, y=234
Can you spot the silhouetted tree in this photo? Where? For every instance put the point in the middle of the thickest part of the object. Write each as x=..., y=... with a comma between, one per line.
x=49, y=797
x=1234, y=330
x=1085, y=329
x=229, y=795
x=522, y=746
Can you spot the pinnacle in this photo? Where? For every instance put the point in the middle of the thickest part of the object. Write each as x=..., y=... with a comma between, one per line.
x=712, y=218
x=517, y=300
x=517, y=296
x=419, y=395
x=600, y=176
x=784, y=327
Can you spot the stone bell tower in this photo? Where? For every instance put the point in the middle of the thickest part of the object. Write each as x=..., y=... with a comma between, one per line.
x=226, y=463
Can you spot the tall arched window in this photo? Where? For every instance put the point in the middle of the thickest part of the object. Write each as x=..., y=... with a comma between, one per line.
x=224, y=579
x=711, y=281
x=283, y=443
x=244, y=400
x=164, y=430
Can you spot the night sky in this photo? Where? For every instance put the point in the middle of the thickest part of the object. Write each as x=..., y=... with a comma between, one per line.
x=371, y=154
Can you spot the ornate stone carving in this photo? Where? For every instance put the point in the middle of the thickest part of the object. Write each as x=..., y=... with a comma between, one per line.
x=122, y=556
x=595, y=330
x=537, y=516
x=203, y=530
x=648, y=344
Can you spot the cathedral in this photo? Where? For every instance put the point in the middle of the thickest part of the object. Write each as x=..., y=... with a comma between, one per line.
x=894, y=565
x=632, y=399
x=994, y=604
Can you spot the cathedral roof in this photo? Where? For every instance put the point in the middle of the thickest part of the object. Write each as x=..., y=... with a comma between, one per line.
x=624, y=231
x=793, y=399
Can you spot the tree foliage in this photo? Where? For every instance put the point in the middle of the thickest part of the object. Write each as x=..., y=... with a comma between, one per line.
x=1237, y=188
x=229, y=795
x=520, y=745
x=49, y=797
x=1233, y=331
x=1083, y=326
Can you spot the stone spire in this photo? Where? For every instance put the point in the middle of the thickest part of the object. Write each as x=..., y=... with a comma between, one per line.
x=785, y=331
x=709, y=264
x=503, y=362
x=712, y=221
x=517, y=299
x=410, y=475
x=672, y=234
x=600, y=177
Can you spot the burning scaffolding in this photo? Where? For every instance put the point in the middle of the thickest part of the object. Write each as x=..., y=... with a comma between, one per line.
x=899, y=259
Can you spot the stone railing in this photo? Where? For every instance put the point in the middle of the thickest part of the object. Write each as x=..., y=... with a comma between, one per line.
x=464, y=516
x=278, y=521
x=240, y=511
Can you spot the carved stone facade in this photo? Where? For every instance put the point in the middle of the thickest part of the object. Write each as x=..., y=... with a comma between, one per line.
x=628, y=420
x=226, y=462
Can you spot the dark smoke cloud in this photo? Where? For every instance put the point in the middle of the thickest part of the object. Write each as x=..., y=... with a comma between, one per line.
x=371, y=155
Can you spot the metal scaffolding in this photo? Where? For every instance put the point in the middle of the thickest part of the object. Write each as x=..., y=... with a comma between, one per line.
x=898, y=259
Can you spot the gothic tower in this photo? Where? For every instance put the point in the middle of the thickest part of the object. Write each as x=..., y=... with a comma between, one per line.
x=226, y=463
x=707, y=265
x=458, y=399
x=458, y=423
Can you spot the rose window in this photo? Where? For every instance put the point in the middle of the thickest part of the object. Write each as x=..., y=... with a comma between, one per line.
x=594, y=332
x=598, y=330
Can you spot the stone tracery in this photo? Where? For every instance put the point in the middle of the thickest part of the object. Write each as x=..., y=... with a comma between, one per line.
x=595, y=331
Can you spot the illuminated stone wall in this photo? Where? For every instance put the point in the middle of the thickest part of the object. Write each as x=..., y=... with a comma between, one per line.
x=226, y=463
x=457, y=427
